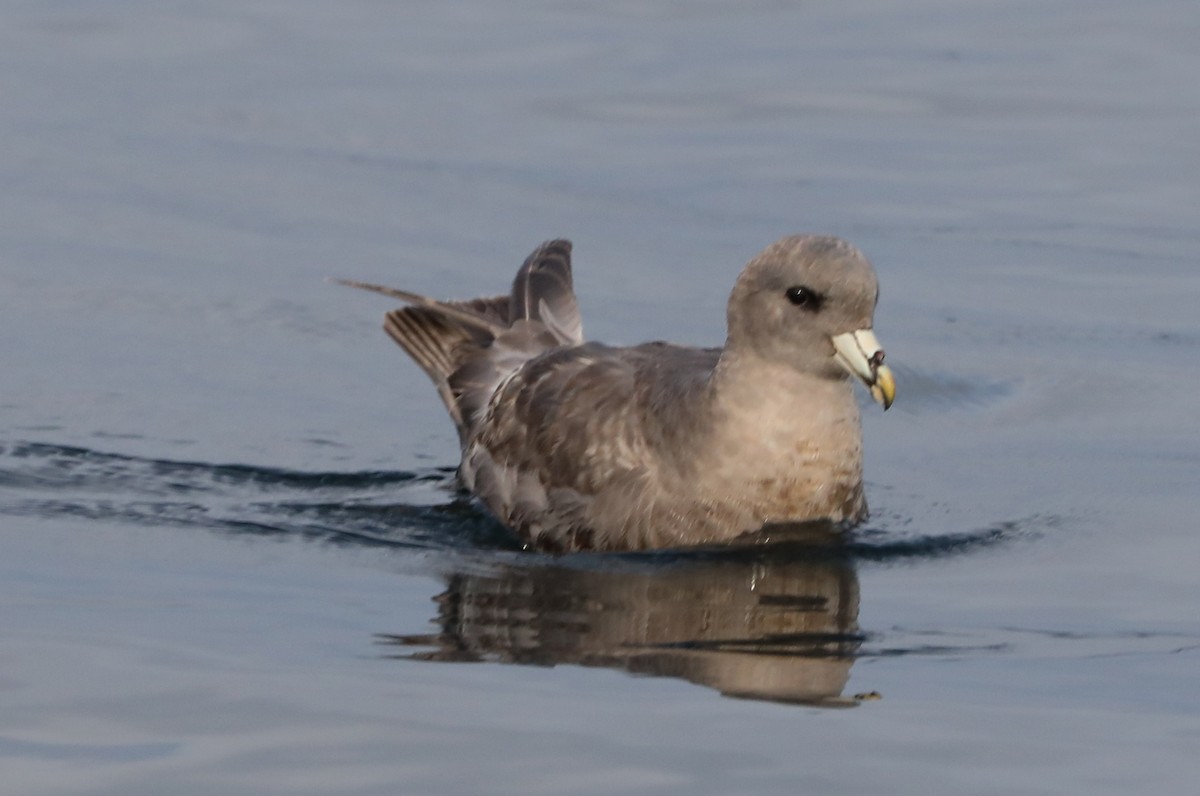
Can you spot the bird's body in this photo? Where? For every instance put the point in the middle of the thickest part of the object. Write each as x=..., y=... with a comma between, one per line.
x=578, y=445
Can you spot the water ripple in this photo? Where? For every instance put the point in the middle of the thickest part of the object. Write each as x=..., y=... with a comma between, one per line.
x=382, y=508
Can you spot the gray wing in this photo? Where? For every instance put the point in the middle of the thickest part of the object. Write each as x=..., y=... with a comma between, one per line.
x=543, y=291
x=467, y=348
x=587, y=429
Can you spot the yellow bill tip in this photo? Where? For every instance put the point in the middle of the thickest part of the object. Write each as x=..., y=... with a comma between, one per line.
x=884, y=388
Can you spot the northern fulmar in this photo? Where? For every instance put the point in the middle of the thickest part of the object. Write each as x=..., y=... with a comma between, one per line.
x=577, y=445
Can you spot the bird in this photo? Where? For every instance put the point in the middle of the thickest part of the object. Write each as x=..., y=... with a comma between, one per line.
x=581, y=446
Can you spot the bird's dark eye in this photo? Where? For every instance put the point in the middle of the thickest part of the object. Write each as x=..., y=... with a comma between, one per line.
x=805, y=297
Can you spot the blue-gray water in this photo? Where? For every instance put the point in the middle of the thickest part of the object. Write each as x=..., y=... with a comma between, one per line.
x=231, y=556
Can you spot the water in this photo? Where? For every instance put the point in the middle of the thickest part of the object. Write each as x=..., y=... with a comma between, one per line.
x=232, y=555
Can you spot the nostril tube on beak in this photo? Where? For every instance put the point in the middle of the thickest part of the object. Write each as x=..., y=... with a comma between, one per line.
x=876, y=359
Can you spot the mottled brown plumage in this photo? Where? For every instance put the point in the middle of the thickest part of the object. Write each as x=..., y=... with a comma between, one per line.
x=579, y=445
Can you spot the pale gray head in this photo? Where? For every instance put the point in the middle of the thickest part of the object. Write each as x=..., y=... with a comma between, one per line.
x=809, y=301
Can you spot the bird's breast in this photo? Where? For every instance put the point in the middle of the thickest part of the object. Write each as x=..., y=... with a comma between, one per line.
x=782, y=459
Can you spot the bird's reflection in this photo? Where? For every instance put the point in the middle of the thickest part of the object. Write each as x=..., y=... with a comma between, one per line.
x=773, y=628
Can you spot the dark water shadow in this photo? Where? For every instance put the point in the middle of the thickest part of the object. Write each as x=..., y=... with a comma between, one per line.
x=381, y=508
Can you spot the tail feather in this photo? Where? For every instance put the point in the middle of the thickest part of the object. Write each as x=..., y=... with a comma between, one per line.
x=431, y=342
x=434, y=338
x=441, y=344
x=470, y=313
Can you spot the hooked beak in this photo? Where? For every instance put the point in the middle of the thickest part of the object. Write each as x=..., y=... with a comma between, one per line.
x=860, y=353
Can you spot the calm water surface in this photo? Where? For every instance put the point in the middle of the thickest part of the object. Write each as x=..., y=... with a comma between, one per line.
x=231, y=555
